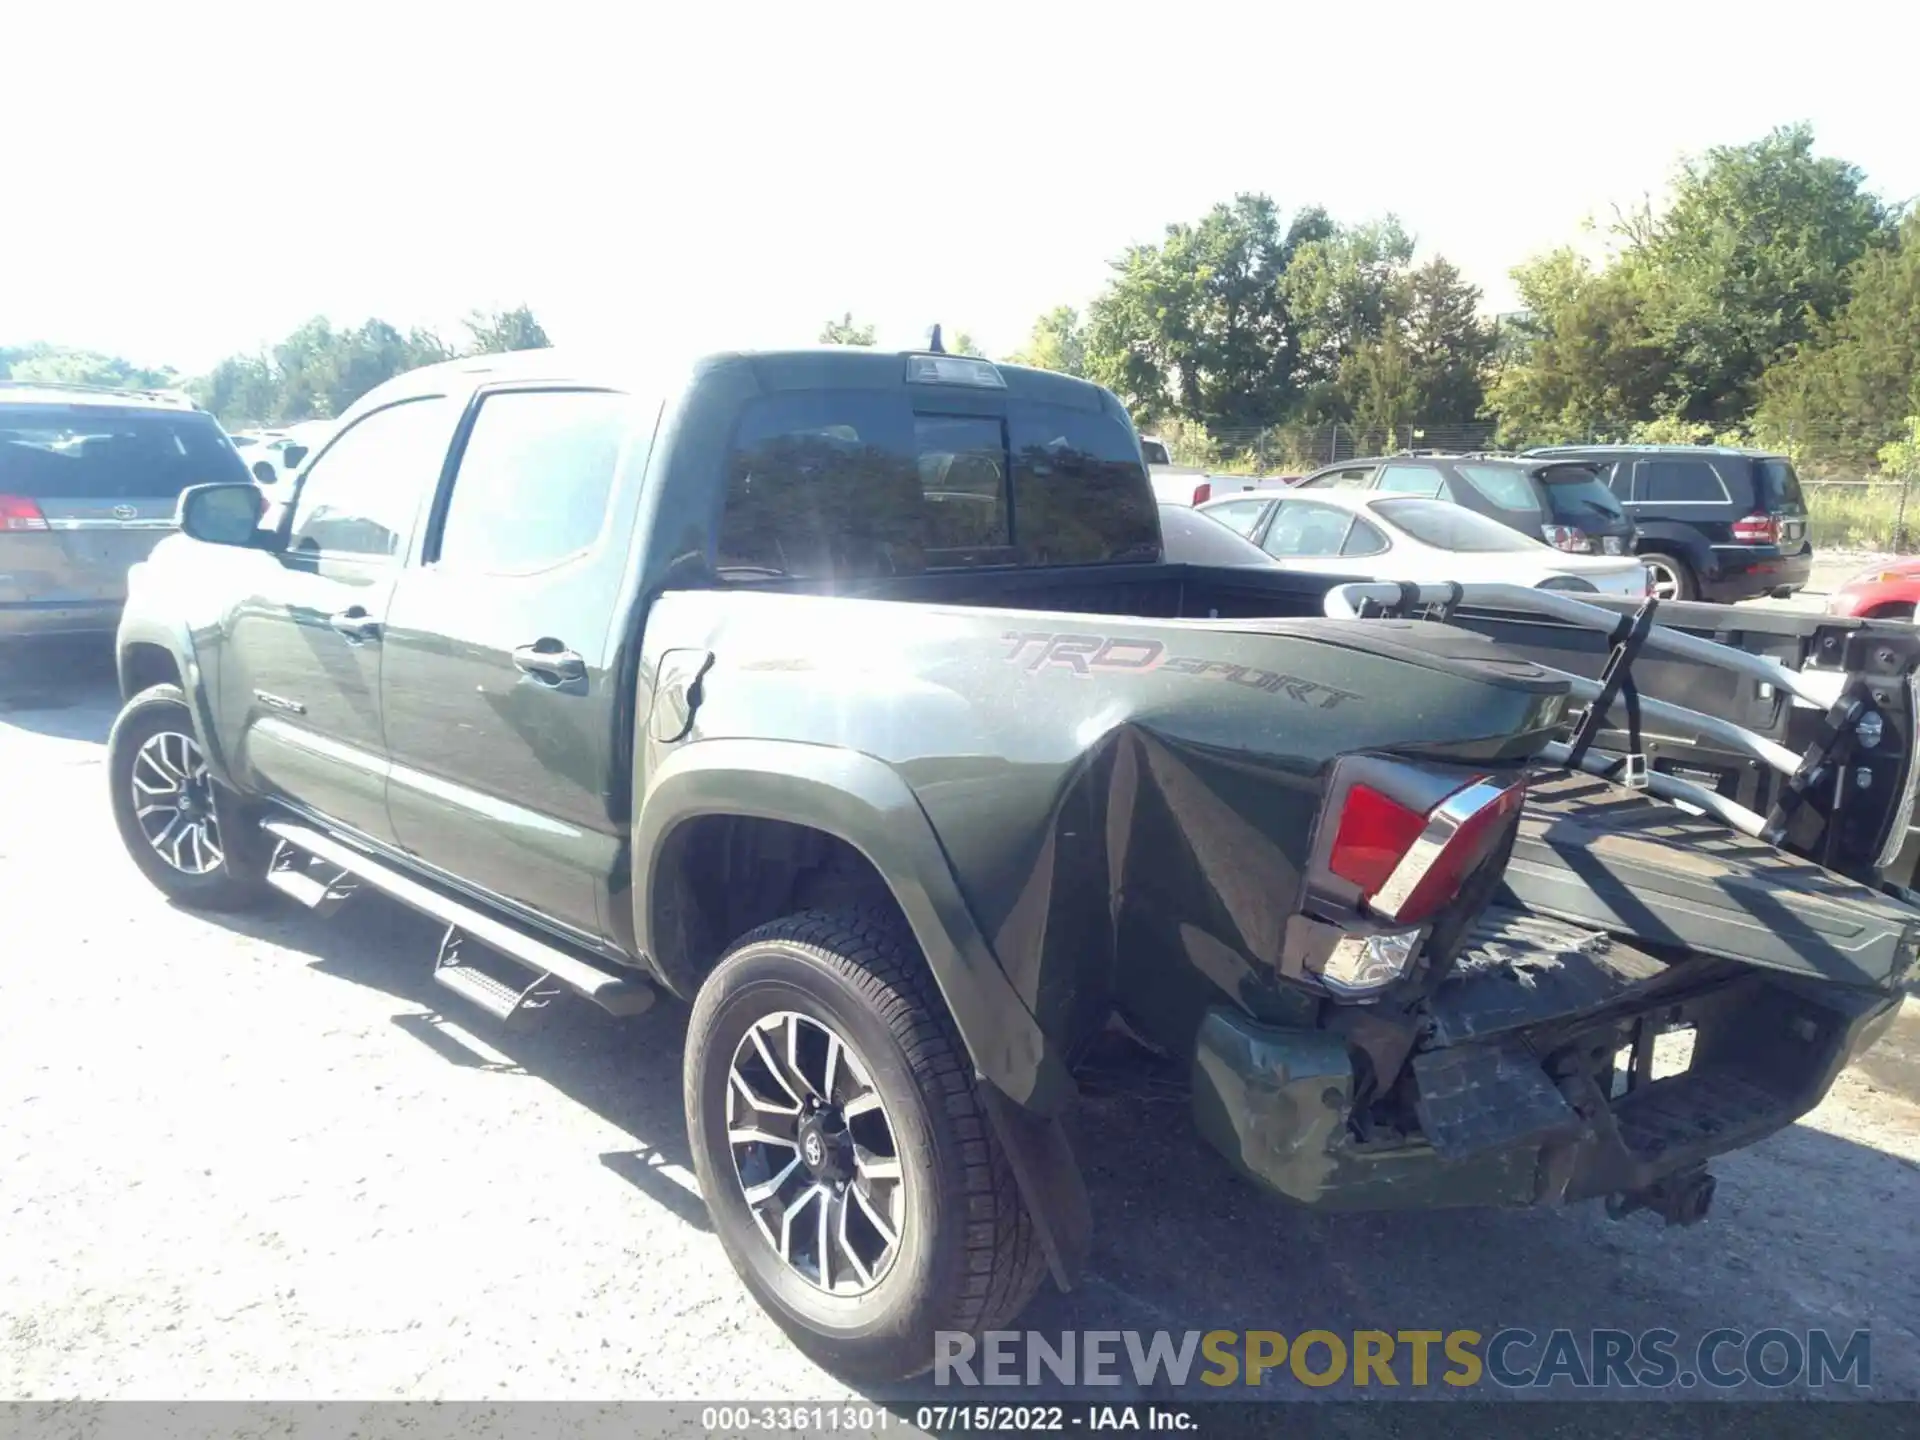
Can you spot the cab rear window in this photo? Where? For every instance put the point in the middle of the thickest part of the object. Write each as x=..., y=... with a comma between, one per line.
x=863, y=484
x=94, y=453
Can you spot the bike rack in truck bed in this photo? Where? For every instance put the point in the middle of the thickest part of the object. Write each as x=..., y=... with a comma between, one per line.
x=1824, y=773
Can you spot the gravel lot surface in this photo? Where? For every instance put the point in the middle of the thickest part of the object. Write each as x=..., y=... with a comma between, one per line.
x=254, y=1159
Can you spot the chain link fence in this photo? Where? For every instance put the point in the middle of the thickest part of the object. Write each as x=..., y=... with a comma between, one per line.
x=1862, y=491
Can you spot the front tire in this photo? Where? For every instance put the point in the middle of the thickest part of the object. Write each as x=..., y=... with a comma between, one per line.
x=181, y=828
x=851, y=1171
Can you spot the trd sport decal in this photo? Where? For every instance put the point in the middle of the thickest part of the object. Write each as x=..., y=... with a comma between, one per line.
x=1086, y=655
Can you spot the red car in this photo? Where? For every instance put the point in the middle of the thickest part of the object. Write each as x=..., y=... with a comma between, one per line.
x=1884, y=592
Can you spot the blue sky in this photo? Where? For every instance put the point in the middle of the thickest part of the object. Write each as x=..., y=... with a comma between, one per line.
x=188, y=180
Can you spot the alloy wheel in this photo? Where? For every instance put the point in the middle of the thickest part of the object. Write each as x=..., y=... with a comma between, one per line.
x=814, y=1151
x=1666, y=580
x=173, y=803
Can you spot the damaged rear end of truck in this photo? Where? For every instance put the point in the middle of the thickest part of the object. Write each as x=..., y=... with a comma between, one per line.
x=1587, y=976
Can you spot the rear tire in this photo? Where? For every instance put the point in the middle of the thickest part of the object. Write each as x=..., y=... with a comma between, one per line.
x=1673, y=578
x=964, y=1254
x=185, y=832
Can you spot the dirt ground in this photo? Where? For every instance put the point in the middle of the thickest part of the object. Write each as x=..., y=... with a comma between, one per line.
x=257, y=1159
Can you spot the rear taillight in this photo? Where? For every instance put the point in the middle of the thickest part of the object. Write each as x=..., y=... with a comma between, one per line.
x=1375, y=832
x=1757, y=530
x=1202, y=492
x=1409, y=864
x=18, y=512
x=1567, y=537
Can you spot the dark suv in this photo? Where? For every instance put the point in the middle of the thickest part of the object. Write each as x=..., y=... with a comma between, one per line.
x=1715, y=524
x=1565, y=504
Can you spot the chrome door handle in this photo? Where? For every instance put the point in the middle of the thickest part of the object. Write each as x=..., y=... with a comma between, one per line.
x=551, y=662
x=356, y=624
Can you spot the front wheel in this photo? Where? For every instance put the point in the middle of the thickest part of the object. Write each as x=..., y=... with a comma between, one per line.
x=850, y=1168
x=179, y=826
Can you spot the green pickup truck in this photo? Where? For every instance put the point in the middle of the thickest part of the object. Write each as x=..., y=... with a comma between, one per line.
x=853, y=699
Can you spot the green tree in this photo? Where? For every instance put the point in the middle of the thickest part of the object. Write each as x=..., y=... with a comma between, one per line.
x=1753, y=255
x=1198, y=324
x=1058, y=342
x=963, y=344
x=1850, y=389
x=844, y=332
x=1582, y=363
x=55, y=364
x=497, y=332
x=319, y=370
x=1449, y=346
x=1341, y=289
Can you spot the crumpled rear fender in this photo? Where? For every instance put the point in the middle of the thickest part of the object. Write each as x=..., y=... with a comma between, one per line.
x=862, y=801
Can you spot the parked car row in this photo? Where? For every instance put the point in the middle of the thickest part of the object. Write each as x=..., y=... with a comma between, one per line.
x=1710, y=523
x=1423, y=539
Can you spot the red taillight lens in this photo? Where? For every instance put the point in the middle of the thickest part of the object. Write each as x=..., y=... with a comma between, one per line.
x=1375, y=832
x=1757, y=530
x=1202, y=492
x=18, y=512
x=1408, y=865
x=1567, y=537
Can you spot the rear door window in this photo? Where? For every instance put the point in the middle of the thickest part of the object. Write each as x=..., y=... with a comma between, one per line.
x=1305, y=531
x=85, y=452
x=1196, y=537
x=1364, y=539
x=858, y=484
x=1410, y=479
x=1239, y=516
x=1352, y=477
x=1677, y=482
x=533, y=480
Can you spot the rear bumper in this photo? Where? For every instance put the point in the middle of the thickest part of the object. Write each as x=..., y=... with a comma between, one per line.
x=1742, y=572
x=26, y=619
x=1278, y=1102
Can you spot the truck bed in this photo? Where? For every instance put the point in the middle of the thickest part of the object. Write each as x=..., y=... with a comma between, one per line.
x=1602, y=855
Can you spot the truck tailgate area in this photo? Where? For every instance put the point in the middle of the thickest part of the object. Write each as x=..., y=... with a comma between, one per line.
x=1602, y=855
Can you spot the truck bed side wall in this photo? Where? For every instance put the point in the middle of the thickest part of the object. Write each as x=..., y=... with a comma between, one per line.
x=1123, y=803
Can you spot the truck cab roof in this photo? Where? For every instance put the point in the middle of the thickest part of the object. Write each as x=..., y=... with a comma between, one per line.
x=799, y=368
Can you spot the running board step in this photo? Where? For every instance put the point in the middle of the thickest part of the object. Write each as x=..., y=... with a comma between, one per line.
x=616, y=993
x=500, y=998
x=308, y=880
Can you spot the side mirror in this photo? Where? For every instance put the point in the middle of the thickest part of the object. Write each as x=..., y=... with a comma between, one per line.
x=264, y=472
x=221, y=514
x=292, y=456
